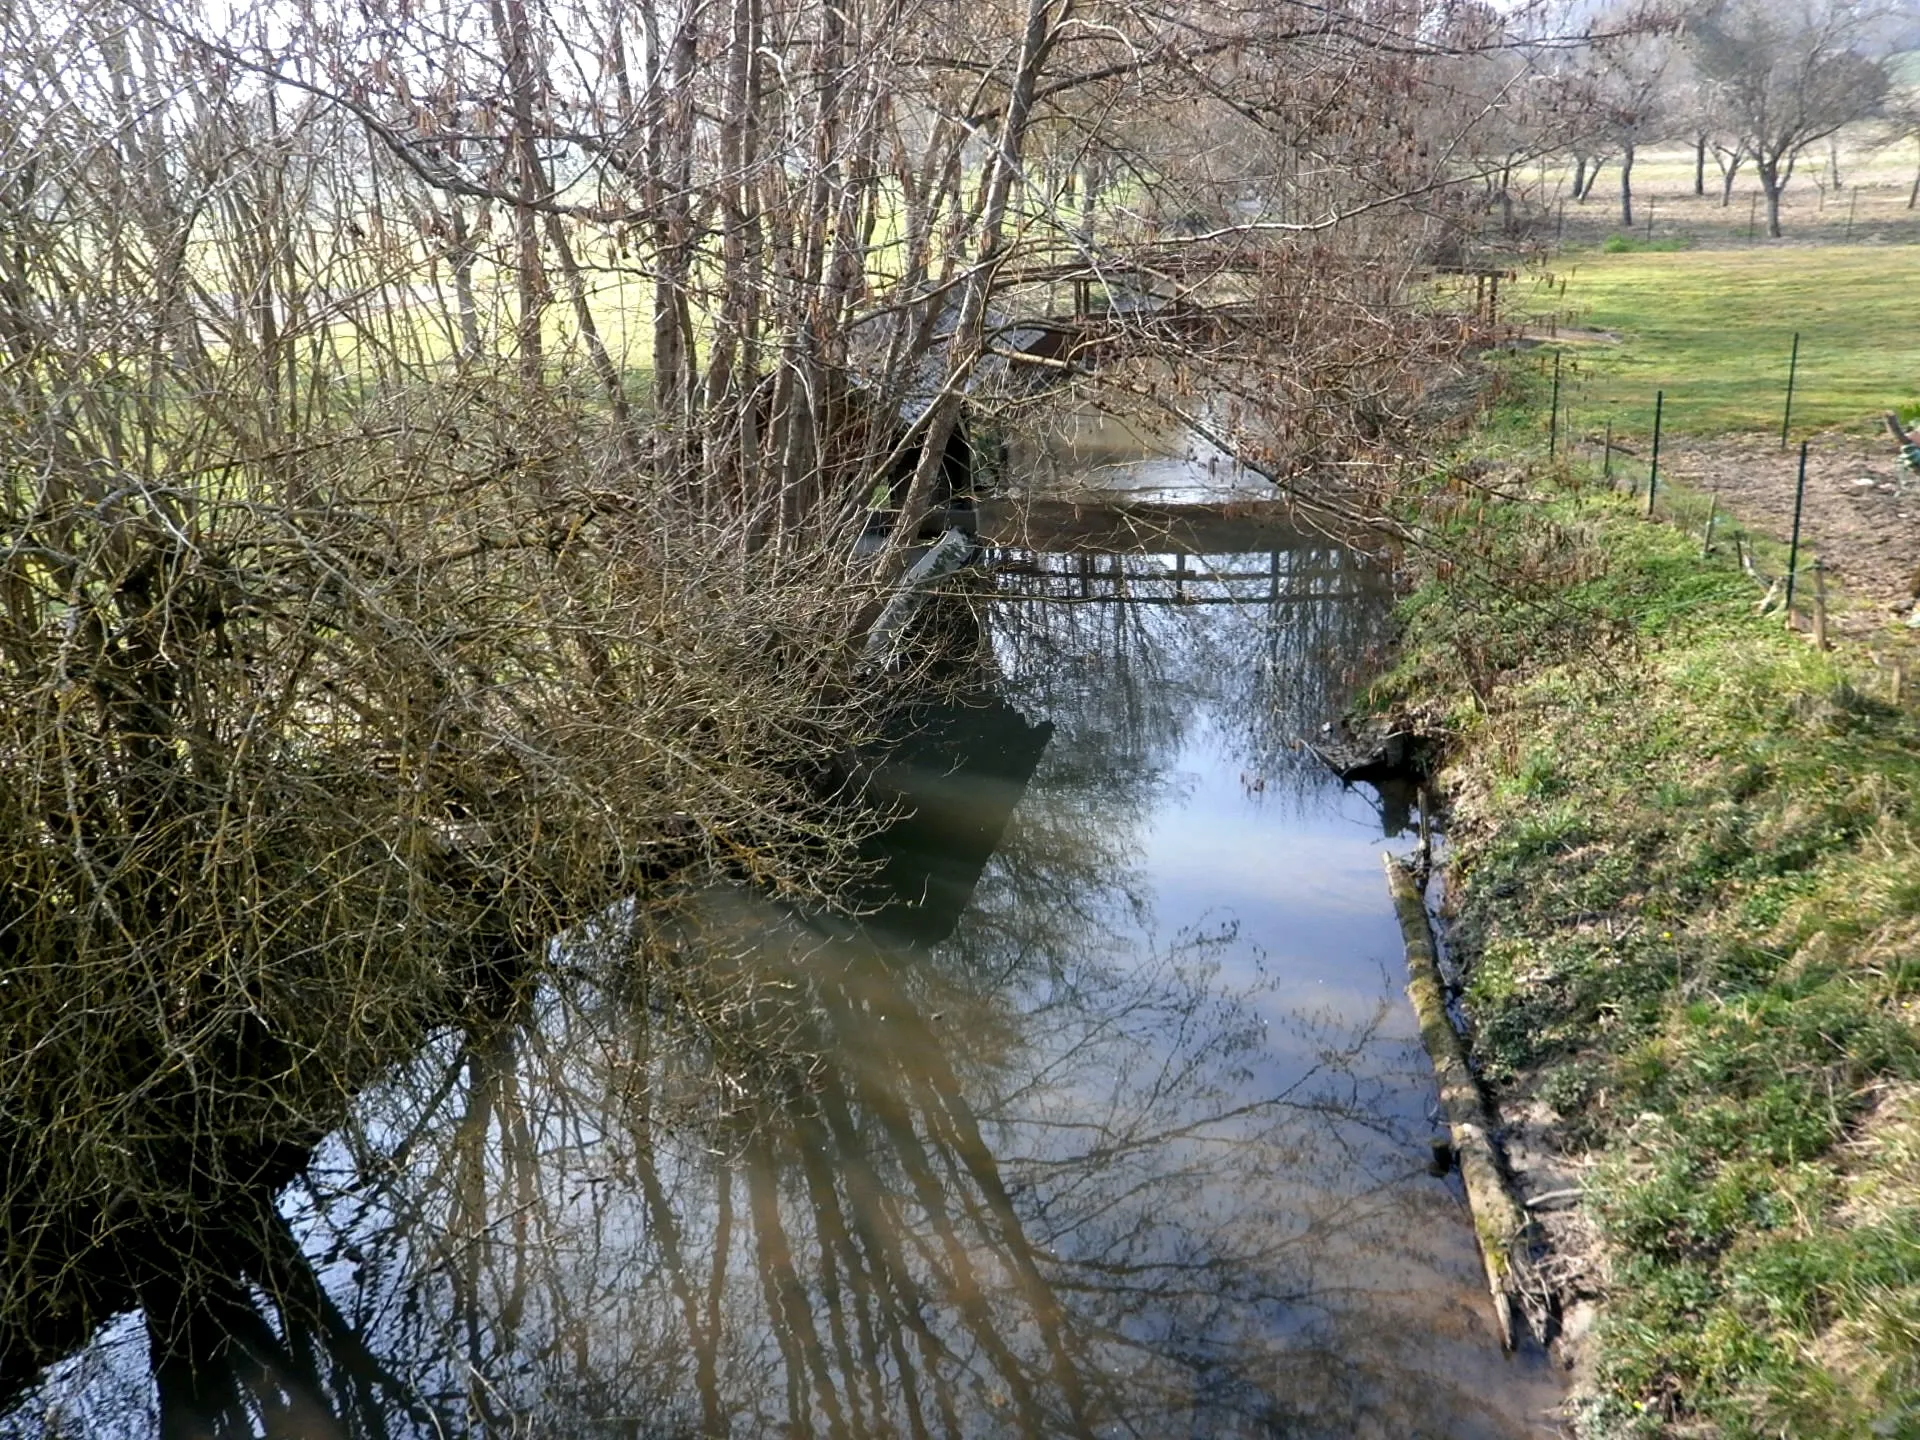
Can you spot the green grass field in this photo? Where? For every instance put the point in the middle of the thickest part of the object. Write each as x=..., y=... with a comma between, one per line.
x=1714, y=328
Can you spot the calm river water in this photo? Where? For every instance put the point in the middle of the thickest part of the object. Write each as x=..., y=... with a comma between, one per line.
x=1113, y=1123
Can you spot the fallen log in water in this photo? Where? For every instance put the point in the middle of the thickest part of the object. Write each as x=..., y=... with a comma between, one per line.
x=1499, y=1224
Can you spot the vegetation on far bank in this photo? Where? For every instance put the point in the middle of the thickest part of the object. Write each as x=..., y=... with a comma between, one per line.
x=1687, y=879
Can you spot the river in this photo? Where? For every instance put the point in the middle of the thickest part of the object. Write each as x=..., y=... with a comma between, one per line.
x=1113, y=1120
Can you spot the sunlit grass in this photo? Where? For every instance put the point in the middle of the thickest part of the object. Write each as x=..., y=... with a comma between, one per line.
x=1687, y=879
x=1714, y=330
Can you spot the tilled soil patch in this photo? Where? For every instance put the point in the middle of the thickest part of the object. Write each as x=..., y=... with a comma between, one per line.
x=1862, y=513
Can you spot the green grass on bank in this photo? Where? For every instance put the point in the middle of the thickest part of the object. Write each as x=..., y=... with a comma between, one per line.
x=1714, y=329
x=1687, y=868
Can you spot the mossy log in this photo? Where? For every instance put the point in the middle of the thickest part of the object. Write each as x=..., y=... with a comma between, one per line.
x=1499, y=1224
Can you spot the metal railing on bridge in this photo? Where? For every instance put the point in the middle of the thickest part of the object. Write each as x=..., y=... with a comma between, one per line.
x=1276, y=577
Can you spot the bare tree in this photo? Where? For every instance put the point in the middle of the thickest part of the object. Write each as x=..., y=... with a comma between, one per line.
x=1724, y=141
x=1788, y=75
x=1634, y=102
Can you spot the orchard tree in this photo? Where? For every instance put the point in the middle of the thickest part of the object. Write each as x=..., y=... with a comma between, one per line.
x=1788, y=75
x=1902, y=112
x=1634, y=99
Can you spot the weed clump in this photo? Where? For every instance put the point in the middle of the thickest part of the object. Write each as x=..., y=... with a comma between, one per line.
x=1623, y=244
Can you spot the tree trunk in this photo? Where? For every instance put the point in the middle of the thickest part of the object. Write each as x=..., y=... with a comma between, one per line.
x=597, y=354
x=1579, y=175
x=1626, y=186
x=1700, y=165
x=733, y=329
x=516, y=40
x=668, y=127
x=463, y=254
x=1769, y=171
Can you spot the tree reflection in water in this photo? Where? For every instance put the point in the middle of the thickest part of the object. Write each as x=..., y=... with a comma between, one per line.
x=1059, y=1173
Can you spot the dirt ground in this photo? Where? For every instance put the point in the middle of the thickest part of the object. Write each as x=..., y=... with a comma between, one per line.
x=1862, y=513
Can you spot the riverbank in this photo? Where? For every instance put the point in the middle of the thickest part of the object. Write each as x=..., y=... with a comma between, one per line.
x=1684, y=885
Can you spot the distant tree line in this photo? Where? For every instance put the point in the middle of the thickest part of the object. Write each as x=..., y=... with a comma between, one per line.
x=1746, y=84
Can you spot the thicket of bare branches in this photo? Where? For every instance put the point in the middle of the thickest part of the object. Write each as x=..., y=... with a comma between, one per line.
x=337, y=674
x=802, y=225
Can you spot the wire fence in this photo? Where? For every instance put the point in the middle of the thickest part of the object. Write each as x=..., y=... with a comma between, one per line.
x=1624, y=447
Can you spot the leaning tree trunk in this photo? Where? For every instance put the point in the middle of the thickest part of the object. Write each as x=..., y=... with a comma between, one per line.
x=462, y=252
x=1593, y=177
x=667, y=126
x=969, y=330
x=516, y=42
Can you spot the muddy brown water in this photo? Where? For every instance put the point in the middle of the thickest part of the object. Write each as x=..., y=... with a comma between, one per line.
x=1114, y=1122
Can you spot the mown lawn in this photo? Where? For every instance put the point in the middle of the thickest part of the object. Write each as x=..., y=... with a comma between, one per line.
x=1714, y=329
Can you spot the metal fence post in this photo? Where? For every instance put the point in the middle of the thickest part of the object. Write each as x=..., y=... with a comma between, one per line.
x=1793, y=547
x=1553, y=422
x=1653, y=472
x=1793, y=369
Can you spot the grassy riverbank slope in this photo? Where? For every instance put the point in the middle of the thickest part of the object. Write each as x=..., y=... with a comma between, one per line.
x=1686, y=868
